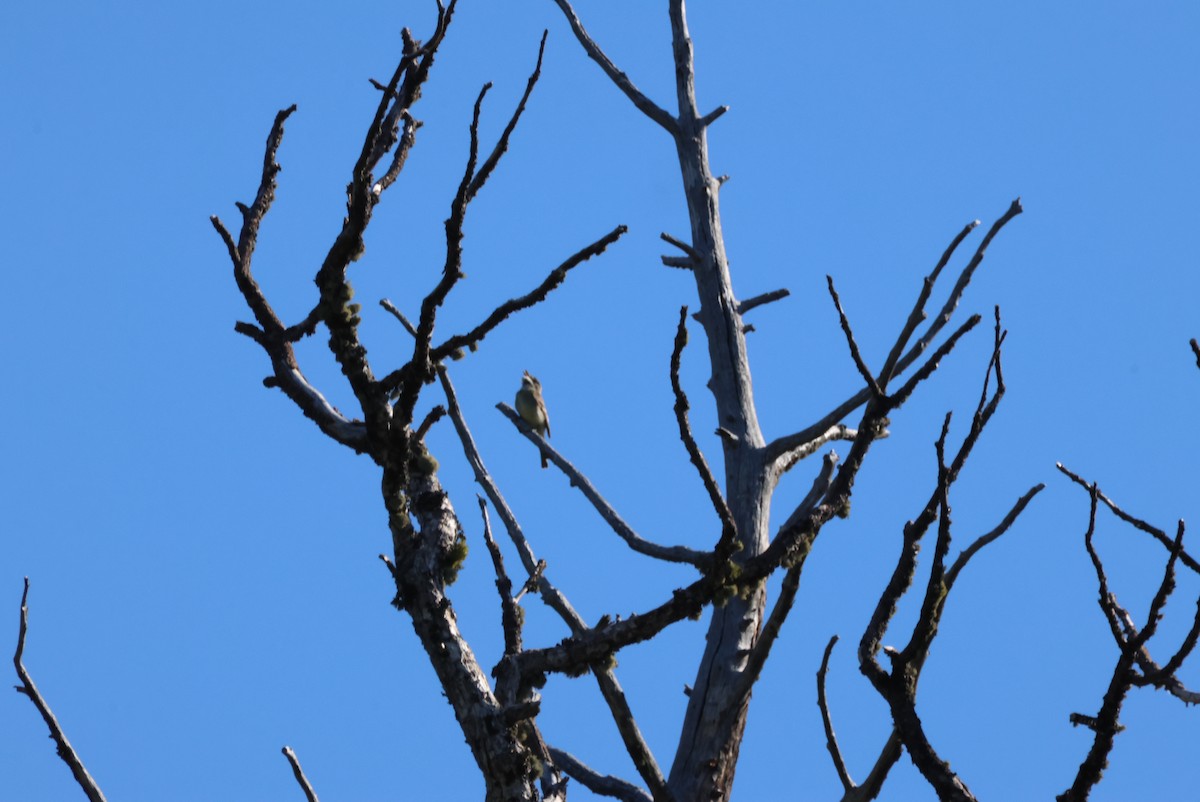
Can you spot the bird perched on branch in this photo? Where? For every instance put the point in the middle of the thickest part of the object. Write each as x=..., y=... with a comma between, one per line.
x=532, y=408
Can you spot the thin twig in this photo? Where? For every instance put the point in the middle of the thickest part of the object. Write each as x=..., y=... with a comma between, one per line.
x=408, y=326
x=728, y=527
x=27, y=687
x=917, y=316
x=872, y=384
x=839, y=764
x=965, y=556
x=489, y=164
x=556, y=277
x=1134, y=521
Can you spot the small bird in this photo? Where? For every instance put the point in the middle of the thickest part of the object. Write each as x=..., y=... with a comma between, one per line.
x=532, y=408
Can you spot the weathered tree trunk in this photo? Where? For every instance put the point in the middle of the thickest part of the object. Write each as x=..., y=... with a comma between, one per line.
x=716, y=713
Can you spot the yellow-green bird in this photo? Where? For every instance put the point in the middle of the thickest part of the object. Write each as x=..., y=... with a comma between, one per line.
x=532, y=408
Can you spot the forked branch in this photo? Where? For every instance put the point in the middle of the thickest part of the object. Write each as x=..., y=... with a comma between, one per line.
x=1133, y=647
x=643, y=103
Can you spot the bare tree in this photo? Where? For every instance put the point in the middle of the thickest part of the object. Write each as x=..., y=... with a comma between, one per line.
x=499, y=716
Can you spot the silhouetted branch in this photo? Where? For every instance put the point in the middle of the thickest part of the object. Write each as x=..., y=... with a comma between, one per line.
x=1105, y=725
x=1132, y=644
x=422, y=364
x=27, y=687
x=556, y=277
x=726, y=546
x=931, y=364
x=1137, y=523
x=305, y=785
x=888, y=756
x=843, y=409
x=489, y=164
x=839, y=764
x=1157, y=675
x=855, y=354
x=917, y=316
x=431, y=418
x=898, y=685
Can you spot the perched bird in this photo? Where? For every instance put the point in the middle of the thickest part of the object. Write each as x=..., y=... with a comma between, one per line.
x=532, y=408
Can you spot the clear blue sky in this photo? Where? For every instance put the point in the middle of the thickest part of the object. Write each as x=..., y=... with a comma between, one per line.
x=205, y=586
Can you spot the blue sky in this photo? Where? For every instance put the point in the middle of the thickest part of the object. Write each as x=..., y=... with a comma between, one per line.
x=205, y=586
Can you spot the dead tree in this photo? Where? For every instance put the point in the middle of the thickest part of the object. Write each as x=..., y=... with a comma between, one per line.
x=499, y=716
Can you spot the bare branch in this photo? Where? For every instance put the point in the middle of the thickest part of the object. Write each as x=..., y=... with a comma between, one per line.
x=728, y=527
x=643, y=103
x=678, y=554
x=678, y=262
x=761, y=300
x=898, y=686
x=1135, y=522
x=862, y=396
x=27, y=687
x=414, y=68
x=396, y=313
x=1105, y=724
x=305, y=785
x=839, y=764
x=917, y=316
x=960, y=286
x=927, y=370
x=594, y=781
x=610, y=688
x=1165, y=589
x=433, y=417
x=243, y=253
x=965, y=556
x=511, y=618
x=489, y=164
x=713, y=116
x=1158, y=675
x=788, y=452
x=556, y=277
x=531, y=584
x=694, y=254
x=873, y=385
